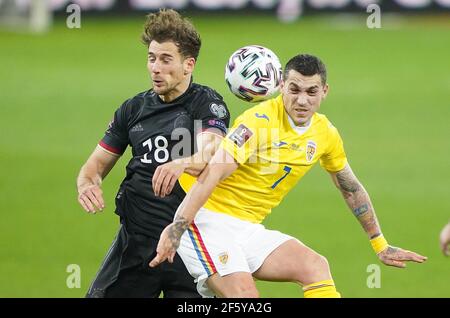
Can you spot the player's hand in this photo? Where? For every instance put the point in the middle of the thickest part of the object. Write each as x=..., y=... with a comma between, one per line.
x=165, y=178
x=444, y=240
x=397, y=257
x=167, y=247
x=91, y=198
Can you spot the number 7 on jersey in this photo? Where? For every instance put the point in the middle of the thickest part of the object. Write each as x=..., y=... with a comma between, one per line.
x=287, y=169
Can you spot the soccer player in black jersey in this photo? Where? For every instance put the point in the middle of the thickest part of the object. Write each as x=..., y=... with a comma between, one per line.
x=173, y=128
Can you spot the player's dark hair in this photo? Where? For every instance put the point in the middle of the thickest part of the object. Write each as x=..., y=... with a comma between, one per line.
x=307, y=65
x=169, y=25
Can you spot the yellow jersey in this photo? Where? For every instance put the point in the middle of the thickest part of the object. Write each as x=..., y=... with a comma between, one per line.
x=273, y=155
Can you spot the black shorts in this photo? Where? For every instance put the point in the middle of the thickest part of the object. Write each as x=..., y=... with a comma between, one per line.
x=125, y=272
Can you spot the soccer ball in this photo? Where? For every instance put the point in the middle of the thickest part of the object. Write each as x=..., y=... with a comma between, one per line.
x=253, y=73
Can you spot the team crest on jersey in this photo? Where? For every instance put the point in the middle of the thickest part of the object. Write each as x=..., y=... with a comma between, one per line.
x=223, y=258
x=219, y=110
x=310, y=150
x=183, y=120
x=241, y=135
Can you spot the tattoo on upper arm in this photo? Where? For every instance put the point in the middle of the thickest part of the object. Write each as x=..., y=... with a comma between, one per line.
x=347, y=181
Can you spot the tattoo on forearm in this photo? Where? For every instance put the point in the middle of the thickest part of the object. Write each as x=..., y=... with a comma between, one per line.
x=358, y=200
x=347, y=181
x=176, y=231
x=361, y=210
x=369, y=223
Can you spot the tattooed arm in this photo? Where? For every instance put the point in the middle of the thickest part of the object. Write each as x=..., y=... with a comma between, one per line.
x=219, y=168
x=358, y=201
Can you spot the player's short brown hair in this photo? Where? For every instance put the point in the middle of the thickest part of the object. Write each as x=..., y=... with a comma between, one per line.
x=169, y=25
x=307, y=65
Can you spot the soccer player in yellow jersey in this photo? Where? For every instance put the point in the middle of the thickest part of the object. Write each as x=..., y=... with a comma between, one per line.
x=269, y=149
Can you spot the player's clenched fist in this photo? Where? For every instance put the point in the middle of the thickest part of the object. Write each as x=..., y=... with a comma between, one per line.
x=91, y=198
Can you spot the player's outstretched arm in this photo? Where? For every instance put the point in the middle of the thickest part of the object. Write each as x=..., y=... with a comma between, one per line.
x=167, y=174
x=219, y=168
x=359, y=202
x=444, y=240
x=96, y=168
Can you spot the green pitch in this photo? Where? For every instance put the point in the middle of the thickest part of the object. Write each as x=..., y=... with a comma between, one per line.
x=389, y=97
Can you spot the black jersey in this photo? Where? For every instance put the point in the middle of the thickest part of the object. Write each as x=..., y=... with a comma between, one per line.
x=158, y=132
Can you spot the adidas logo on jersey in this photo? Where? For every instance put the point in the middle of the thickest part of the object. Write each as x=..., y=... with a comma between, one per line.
x=137, y=127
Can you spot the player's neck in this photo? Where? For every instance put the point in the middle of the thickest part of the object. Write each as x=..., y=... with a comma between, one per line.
x=299, y=125
x=304, y=125
x=176, y=92
x=299, y=129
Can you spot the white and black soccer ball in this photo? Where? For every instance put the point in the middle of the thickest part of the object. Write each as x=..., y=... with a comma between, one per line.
x=253, y=73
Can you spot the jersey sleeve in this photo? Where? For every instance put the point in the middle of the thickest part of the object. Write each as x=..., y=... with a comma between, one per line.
x=245, y=137
x=334, y=159
x=213, y=112
x=116, y=138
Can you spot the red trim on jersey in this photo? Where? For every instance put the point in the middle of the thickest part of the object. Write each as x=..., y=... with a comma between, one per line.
x=110, y=148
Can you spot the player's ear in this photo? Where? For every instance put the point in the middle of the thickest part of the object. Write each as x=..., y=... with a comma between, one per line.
x=188, y=65
x=326, y=88
x=281, y=84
